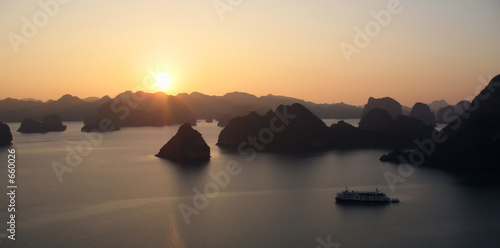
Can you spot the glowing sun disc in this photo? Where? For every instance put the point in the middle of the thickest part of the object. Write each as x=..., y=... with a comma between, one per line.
x=163, y=81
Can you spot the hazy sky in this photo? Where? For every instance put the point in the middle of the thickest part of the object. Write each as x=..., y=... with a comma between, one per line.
x=428, y=50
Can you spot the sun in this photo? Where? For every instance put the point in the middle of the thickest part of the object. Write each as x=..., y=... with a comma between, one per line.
x=163, y=82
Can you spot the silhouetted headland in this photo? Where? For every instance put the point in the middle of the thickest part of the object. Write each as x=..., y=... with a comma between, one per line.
x=294, y=129
x=471, y=141
x=288, y=128
x=378, y=130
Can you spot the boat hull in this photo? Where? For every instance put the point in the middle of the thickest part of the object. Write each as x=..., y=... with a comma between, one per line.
x=338, y=200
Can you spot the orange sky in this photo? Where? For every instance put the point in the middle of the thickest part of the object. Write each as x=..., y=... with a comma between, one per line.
x=428, y=50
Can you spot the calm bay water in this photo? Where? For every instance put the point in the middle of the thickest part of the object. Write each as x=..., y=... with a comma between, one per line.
x=121, y=195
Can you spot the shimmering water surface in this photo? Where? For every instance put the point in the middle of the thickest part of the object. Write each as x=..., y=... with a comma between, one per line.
x=121, y=195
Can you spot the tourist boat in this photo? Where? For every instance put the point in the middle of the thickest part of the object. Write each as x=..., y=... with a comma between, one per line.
x=364, y=196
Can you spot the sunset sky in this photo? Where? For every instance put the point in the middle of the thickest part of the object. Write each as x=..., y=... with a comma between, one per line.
x=428, y=50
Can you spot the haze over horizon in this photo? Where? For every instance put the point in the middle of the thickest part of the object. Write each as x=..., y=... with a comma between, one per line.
x=425, y=50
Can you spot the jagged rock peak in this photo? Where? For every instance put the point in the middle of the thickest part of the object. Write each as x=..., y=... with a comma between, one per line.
x=187, y=144
x=388, y=104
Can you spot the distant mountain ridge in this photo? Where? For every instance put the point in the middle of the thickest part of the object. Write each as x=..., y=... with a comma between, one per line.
x=240, y=103
x=201, y=106
x=72, y=108
x=68, y=107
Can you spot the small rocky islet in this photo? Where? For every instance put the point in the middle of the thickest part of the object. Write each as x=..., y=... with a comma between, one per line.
x=186, y=145
x=50, y=123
